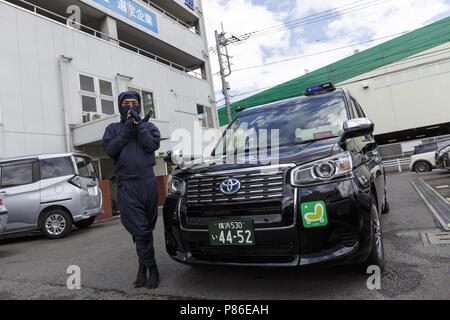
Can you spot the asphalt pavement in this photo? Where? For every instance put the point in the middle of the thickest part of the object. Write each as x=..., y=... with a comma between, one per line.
x=33, y=267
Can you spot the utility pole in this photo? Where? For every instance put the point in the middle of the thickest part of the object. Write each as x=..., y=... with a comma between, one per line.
x=221, y=41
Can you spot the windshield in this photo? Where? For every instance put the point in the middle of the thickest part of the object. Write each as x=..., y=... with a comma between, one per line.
x=288, y=124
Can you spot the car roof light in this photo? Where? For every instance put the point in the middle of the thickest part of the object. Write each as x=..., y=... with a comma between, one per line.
x=326, y=87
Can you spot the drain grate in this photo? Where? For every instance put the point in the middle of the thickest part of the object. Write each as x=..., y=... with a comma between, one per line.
x=436, y=238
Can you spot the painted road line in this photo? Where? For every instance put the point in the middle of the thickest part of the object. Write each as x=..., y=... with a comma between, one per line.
x=439, y=206
x=442, y=187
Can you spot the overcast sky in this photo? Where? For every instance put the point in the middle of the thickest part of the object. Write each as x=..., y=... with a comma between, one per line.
x=350, y=23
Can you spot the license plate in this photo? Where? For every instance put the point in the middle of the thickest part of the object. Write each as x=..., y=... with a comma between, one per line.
x=231, y=233
x=92, y=191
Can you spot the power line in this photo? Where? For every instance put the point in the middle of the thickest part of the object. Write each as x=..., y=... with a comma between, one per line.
x=303, y=21
x=305, y=18
x=320, y=18
x=321, y=52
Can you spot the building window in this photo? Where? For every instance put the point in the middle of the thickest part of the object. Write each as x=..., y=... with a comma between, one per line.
x=97, y=96
x=148, y=104
x=205, y=116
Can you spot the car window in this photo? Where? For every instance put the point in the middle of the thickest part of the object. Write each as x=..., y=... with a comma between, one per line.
x=429, y=147
x=56, y=167
x=356, y=112
x=16, y=175
x=443, y=143
x=360, y=110
x=85, y=167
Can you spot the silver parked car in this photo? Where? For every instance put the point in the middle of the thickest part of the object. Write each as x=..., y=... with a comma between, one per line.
x=49, y=193
x=3, y=216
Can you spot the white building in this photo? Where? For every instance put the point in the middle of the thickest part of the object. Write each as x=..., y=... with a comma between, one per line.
x=59, y=80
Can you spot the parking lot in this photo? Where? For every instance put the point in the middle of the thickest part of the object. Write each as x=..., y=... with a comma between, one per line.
x=35, y=268
x=440, y=181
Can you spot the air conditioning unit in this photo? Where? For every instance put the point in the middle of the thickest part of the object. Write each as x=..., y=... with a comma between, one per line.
x=95, y=116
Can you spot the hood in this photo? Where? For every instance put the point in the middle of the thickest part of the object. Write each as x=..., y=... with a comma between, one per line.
x=124, y=110
x=296, y=154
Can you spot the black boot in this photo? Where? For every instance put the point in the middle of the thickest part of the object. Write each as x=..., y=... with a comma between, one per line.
x=141, y=276
x=153, y=278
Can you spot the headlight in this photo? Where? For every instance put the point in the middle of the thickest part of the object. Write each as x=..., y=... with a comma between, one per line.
x=175, y=186
x=322, y=170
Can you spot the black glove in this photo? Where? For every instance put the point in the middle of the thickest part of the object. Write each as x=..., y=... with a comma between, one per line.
x=130, y=126
x=135, y=116
x=147, y=117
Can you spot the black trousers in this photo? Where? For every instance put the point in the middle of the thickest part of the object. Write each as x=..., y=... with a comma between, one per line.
x=138, y=204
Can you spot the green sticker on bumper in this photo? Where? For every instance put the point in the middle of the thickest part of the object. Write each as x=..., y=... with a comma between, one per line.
x=314, y=214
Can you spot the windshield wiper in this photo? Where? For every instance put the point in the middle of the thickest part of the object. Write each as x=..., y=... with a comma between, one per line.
x=306, y=141
x=248, y=150
x=314, y=140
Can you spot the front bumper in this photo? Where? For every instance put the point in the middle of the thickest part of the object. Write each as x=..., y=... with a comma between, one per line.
x=281, y=238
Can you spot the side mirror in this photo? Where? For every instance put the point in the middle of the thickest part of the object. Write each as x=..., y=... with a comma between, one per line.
x=357, y=128
x=175, y=157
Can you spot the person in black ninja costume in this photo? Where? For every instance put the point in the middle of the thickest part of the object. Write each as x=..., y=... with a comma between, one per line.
x=132, y=143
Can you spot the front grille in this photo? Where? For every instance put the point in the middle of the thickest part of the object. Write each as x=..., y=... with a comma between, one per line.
x=256, y=185
x=243, y=254
x=231, y=210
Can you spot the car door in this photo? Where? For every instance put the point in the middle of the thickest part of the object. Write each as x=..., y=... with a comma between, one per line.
x=91, y=195
x=20, y=190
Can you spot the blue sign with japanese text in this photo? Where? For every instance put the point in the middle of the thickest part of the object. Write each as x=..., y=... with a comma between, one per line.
x=132, y=11
x=190, y=4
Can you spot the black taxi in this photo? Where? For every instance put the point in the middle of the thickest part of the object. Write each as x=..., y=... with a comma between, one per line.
x=293, y=183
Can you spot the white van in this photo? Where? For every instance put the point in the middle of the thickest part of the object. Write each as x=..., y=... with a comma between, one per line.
x=49, y=193
x=3, y=216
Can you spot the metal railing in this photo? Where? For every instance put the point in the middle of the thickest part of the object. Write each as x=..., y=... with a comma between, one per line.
x=397, y=163
x=171, y=16
x=120, y=43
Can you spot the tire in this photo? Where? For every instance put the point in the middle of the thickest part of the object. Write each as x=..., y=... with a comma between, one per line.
x=84, y=224
x=56, y=224
x=386, y=207
x=422, y=166
x=376, y=256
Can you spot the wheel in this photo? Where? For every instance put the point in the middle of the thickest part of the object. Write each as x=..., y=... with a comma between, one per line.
x=83, y=224
x=422, y=166
x=376, y=256
x=56, y=224
x=386, y=207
